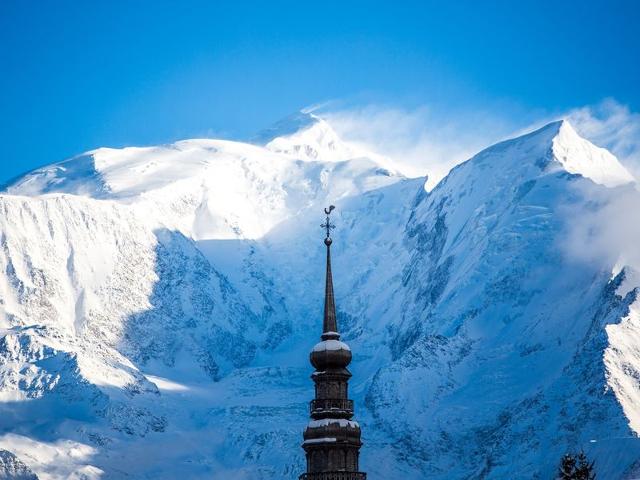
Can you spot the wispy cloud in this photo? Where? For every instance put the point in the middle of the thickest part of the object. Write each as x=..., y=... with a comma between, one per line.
x=419, y=141
x=422, y=141
x=603, y=231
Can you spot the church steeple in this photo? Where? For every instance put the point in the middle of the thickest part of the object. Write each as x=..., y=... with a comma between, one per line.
x=329, y=324
x=332, y=439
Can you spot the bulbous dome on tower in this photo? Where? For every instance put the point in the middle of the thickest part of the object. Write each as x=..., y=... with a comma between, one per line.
x=330, y=354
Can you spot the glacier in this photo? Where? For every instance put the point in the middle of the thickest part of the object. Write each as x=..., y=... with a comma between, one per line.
x=158, y=305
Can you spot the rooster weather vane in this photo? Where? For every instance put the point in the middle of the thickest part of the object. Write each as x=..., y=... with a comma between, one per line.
x=327, y=225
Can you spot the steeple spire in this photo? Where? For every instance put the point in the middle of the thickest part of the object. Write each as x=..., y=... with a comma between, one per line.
x=329, y=324
x=332, y=439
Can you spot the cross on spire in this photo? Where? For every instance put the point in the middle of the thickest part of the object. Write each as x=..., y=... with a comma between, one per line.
x=327, y=225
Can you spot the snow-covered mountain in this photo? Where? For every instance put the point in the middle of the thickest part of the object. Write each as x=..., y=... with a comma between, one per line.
x=157, y=306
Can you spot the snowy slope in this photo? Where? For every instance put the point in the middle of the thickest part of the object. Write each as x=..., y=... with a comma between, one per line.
x=506, y=334
x=579, y=156
x=158, y=305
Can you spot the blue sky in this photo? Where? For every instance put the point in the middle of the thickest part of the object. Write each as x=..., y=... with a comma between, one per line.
x=78, y=75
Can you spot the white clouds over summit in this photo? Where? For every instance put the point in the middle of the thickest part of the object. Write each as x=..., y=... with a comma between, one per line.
x=419, y=141
x=423, y=141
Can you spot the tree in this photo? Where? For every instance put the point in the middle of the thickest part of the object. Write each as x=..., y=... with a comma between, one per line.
x=576, y=467
x=584, y=468
x=567, y=467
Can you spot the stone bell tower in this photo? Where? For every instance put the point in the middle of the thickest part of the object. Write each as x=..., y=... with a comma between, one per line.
x=331, y=439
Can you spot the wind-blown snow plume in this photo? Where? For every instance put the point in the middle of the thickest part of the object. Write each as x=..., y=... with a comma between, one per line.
x=419, y=141
x=422, y=141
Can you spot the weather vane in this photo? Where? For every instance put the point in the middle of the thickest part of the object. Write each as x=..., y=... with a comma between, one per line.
x=327, y=225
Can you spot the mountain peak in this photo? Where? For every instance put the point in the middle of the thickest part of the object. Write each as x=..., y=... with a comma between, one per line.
x=557, y=146
x=306, y=136
x=579, y=156
x=287, y=126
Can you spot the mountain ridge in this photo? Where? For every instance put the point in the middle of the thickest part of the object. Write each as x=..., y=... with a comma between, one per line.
x=188, y=291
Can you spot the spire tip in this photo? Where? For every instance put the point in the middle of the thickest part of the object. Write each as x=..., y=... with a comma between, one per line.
x=329, y=324
x=327, y=225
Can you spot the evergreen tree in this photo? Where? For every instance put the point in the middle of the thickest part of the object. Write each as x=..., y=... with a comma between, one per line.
x=584, y=468
x=567, y=467
x=576, y=467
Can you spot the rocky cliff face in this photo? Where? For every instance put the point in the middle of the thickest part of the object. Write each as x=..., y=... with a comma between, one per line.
x=158, y=306
x=11, y=468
